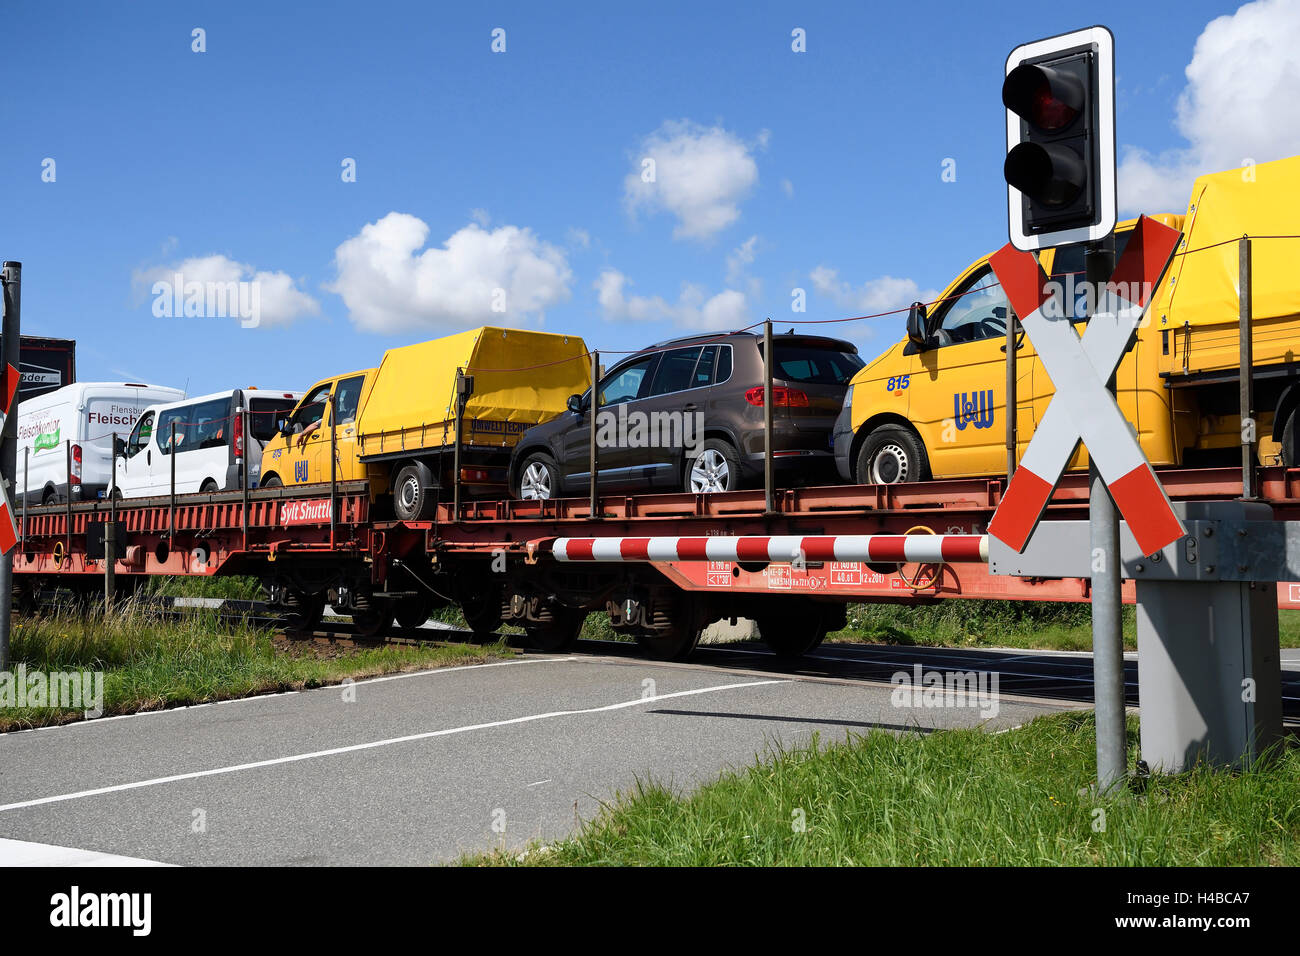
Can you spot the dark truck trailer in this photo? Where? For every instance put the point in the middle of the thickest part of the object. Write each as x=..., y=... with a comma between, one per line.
x=47, y=364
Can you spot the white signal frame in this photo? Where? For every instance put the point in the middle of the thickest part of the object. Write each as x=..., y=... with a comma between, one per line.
x=1103, y=43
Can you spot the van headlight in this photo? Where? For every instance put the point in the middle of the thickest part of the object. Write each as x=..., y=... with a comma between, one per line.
x=848, y=397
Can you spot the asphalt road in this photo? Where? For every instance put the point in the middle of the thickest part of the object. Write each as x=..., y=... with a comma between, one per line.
x=418, y=768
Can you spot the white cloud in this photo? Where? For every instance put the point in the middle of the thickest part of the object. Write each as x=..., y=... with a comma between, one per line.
x=279, y=299
x=578, y=238
x=701, y=174
x=694, y=308
x=873, y=296
x=390, y=282
x=787, y=187
x=1244, y=72
x=740, y=259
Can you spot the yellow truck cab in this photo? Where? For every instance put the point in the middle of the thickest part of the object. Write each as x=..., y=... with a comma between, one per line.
x=395, y=425
x=299, y=453
x=934, y=404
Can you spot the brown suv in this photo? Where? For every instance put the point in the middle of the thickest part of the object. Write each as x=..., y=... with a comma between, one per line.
x=687, y=415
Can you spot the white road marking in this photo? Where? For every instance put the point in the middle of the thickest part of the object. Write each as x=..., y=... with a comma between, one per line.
x=334, y=751
x=22, y=853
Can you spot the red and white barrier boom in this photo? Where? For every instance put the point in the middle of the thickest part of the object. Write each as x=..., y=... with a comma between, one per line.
x=1083, y=408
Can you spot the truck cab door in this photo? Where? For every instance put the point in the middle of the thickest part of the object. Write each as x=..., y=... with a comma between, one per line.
x=132, y=468
x=347, y=399
x=958, y=393
x=304, y=454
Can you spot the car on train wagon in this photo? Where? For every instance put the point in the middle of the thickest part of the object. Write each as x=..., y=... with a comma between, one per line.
x=687, y=415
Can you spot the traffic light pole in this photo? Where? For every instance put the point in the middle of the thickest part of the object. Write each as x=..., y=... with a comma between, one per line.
x=1107, y=622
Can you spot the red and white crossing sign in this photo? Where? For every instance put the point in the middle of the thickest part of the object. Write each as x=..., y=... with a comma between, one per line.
x=8, y=529
x=1083, y=408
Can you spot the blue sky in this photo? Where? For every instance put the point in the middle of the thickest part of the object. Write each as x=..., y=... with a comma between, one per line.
x=775, y=170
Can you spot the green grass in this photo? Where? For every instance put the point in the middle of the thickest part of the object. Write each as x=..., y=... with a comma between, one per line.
x=151, y=662
x=961, y=797
x=1022, y=624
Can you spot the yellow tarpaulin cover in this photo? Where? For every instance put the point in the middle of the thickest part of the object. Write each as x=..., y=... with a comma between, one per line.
x=1261, y=201
x=520, y=377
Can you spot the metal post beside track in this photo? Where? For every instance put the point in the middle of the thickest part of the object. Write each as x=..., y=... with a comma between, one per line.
x=26, y=472
x=593, y=459
x=110, y=533
x=1012, y=401
x=67, y=461
x=243, y=477
x=1246, y=375
x=171, y=521
x=331, y=405
x=455, y=457
x=769, y=495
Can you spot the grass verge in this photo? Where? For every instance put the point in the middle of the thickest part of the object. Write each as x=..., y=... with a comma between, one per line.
x=959, y=797
x=150, y=662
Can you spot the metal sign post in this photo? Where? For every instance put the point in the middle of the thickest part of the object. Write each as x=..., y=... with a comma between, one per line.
x=11, y=334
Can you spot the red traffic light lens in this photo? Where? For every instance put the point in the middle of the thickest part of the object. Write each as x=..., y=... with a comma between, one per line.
x=1048, y=99
x=1049, y=113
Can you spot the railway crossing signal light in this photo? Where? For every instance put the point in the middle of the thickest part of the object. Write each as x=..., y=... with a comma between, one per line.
x=1059, y=95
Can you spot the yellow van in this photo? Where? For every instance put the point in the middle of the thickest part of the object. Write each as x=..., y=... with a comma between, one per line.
x=395, y=425
x=934, y=404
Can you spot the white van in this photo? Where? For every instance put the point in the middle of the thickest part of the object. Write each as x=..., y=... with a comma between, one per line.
x=77, y=422
x=209, y=443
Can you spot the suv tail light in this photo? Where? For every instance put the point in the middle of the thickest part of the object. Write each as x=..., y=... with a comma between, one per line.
x=237, y=433
x=75, y=477
x=781, y=395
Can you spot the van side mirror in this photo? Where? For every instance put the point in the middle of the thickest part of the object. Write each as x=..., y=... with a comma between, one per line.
x=119, y=446
x=917, y=320
x=575, y=404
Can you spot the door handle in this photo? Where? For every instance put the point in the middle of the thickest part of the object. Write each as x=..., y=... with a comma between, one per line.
x=148, y=458
x=691, y=406
x=1020, y=344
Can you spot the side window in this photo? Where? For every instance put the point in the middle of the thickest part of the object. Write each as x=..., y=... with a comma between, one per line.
x=205, y=425
x=724, y=365
x=140, y=435
x=312, y=408
x=704, y=368
x=676, y=371
x=629, y=382
x=346, y=398
x=979, y=312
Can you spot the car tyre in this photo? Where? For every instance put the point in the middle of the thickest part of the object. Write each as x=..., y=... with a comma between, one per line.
x=715, y=468
x=539, y=479
x=890, y=455
x=411, y=499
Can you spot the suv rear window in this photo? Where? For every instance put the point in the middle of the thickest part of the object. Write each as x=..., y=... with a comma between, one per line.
x=813, y=365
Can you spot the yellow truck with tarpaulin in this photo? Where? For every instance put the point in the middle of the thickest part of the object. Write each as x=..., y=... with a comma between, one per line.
x=934, y=404
x=395, y=425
